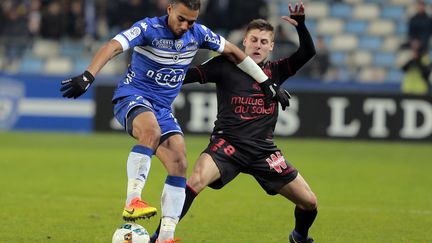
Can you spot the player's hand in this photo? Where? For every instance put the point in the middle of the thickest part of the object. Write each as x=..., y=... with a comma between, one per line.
x=269, y=88
x=297, y=13
x=283, y=97
x=76, y=86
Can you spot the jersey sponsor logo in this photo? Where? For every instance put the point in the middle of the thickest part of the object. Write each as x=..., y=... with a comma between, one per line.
x=204, y=28
x=277, y=162
x=249, y=108
x=163, y=43
x=129, y=77
x=167, y=76
x=132, y=33
x=212, y=39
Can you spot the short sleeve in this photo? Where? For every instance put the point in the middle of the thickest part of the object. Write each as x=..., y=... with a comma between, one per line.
x=134, y=36
x=210, y=40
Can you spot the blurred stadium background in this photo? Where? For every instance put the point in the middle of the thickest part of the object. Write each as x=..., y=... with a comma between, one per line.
x=363, y=37
x=54, y=182
x=362, y=46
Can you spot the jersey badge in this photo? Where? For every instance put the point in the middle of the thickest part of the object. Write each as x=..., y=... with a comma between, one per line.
x=179, y=44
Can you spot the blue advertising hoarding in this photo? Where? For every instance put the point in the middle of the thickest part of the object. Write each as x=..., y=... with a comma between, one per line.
x=34, y=102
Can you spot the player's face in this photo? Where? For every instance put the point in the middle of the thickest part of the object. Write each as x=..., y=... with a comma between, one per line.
x=258, y=44
x=181, y=18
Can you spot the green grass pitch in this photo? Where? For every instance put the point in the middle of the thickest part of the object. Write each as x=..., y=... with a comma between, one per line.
x=71, y=188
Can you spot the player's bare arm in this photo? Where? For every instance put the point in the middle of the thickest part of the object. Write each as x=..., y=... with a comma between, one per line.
x=233, y=53
x=78, y=85
x=103, y=56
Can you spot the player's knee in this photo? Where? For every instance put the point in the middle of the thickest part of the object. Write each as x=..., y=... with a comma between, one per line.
x=310, y=203
x=196, y=182
x=182, y=164
x=147, y=136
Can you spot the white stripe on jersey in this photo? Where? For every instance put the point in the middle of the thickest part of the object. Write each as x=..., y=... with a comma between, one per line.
x=166, y=57
x=222, y=45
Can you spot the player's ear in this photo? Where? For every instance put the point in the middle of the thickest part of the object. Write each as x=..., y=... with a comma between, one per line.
x=169, y=9
x=244, y=42
x=271, y=46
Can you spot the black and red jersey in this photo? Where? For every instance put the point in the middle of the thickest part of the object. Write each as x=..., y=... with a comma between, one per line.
x=241, y=114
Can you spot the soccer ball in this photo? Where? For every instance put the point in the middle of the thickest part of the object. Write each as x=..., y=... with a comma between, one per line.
x=131, y=233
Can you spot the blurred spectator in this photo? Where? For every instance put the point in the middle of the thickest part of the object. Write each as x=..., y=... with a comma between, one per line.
x=2, y=19
x=14, y=30
x=224, y=15
x=417, y=71
x=158, y=7
x=318, y=66
x=90, y=18
x=76, y=20
x=420, y=25
x=284, y=45
x=15, y=19
x=34, y=17
x=53, y=21
x=242, y=12
x=213, y=13
x=123, y=14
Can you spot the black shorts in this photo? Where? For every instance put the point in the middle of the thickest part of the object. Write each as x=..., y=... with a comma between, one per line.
x=269, y=168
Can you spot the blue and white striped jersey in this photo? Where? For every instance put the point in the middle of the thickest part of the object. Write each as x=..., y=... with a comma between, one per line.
x=160, y=60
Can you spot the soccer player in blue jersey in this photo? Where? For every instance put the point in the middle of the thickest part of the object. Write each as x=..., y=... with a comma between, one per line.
x=163, y=47
x=242, y=138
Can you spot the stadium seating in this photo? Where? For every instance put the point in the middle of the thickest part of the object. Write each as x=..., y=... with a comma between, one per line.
x=369, y=42
x=338, y=58
x=361, y=59
x=342, y=11
x=357, y=27
x=31, y=65
x=364, y=38
x=58, y=65
x=344, y=42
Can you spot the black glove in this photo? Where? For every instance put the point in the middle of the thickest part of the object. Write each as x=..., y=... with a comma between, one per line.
x=283, y=97
x=76, y=86
x=269, y=89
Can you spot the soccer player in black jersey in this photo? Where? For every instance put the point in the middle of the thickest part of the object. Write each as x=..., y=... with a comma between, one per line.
x=242, y=139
